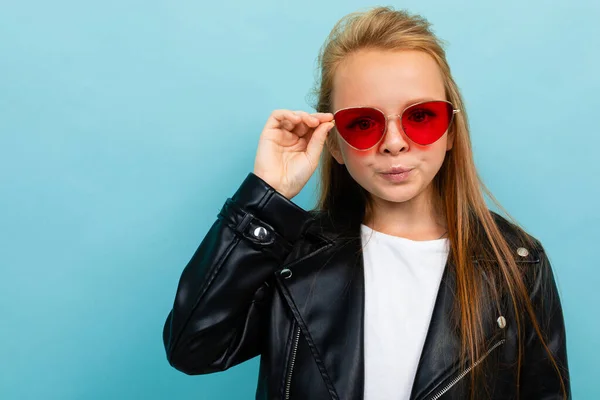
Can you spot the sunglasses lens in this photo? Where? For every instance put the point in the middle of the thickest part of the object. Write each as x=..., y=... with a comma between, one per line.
x=361, y=127
x=425, y=123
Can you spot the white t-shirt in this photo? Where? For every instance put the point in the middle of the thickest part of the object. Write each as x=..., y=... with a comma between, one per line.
x=402, y=278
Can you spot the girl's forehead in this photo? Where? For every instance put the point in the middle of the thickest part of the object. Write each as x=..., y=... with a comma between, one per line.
x=386, y=79
x=368, y=65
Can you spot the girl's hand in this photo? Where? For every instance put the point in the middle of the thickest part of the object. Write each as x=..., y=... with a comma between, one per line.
x=289, y=149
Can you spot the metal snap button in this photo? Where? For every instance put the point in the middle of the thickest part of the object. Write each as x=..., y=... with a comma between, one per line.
x=260, y=233
x=502, y=322
x=522, y=251
x=286, y=273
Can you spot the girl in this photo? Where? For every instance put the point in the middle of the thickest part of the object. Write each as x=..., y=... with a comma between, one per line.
x=401, y=283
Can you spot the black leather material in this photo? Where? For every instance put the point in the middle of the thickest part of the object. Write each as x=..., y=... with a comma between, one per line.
x=274, y=280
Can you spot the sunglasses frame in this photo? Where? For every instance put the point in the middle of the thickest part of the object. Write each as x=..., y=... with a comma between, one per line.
x=388, y=117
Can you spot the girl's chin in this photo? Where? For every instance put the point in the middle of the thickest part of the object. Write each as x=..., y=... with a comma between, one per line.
x=395, y=194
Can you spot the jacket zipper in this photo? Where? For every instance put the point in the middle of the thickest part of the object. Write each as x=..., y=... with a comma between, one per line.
x=293, y=360
x=465, y=372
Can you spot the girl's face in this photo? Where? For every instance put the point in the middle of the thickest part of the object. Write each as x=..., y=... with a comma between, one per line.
x=390, y=81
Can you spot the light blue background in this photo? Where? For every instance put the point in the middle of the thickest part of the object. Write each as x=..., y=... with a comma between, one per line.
x=124, y=126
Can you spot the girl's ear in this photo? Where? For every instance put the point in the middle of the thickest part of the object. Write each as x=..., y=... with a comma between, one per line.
x=333, y=147
x=450, y=141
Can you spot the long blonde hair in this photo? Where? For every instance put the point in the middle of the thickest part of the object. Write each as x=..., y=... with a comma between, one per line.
x=463, y=205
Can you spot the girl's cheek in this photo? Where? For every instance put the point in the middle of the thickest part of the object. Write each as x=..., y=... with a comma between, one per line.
x=350, y=152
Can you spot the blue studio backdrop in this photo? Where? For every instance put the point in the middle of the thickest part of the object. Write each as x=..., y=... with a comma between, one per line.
x=124, y=126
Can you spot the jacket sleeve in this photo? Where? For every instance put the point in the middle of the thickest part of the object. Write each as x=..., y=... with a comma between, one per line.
x=223, y=292
x=539, y=379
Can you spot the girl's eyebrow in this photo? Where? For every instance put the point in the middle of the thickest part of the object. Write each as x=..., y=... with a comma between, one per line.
x=402, y=107
x=418, y=100
x=411, y=102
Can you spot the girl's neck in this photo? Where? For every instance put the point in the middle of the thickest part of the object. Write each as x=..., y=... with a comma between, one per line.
x=416, y=219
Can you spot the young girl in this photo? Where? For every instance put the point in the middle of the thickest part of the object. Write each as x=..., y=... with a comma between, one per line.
x=401, y=283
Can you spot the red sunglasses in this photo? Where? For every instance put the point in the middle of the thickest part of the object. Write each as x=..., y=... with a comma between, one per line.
x=424, y=123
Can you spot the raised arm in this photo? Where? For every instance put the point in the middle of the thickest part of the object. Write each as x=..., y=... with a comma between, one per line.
x=223, y=292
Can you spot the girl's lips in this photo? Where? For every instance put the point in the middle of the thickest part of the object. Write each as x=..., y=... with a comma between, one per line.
x=397, y=170
x=397, y=177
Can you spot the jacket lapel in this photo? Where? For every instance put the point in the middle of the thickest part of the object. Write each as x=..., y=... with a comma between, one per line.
x=442, y=346
x=441, y=351
x=326, y=295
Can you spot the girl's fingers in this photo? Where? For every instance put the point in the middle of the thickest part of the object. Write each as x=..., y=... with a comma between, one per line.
x=323, y=117
x=287, y=125
x=278, y=116
x=313, y=121
x=316, y=143
x=305, y=124
x=300, y=122
x=310, y=120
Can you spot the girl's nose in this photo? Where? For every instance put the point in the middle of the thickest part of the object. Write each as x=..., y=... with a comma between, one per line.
x=395, y=140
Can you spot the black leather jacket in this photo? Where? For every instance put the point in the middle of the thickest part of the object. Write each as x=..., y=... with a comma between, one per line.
x=272, y=279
